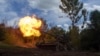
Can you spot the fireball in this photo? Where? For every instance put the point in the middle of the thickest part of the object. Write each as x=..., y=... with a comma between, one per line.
x=30, y=26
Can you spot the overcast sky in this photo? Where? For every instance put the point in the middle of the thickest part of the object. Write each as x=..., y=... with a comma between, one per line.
x=13, y=10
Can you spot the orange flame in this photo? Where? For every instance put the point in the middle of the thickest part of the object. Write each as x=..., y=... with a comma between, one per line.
x=29, y=26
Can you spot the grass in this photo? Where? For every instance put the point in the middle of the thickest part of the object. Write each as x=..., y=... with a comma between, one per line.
x=10, y=50
x=4, y=45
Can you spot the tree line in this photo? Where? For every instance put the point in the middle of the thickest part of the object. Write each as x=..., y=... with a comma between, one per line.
x=74, y=39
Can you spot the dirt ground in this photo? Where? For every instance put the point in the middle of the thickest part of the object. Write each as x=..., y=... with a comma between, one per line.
x=41, y=52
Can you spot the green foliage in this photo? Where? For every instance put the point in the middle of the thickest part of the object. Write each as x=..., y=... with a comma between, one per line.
x=61, y=38
x=87, y=37
x=73, y=8
x=95, y=19
x=55, y=32
x=2, y=32
x=51, y=35
x=90, y=38
x=74, y=36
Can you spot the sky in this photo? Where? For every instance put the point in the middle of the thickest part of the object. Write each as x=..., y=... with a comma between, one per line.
x=12, y=10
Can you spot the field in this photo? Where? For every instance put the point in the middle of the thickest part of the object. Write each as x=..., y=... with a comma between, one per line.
x=8, y=50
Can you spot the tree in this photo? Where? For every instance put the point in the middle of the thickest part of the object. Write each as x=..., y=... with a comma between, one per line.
x=61, y=38
x=95, y=19
x=74, y=36
x=95, y=23
x=2, y=32
x=54, y=33
x=90, y=37
x=74, y=10
x=87, y=39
